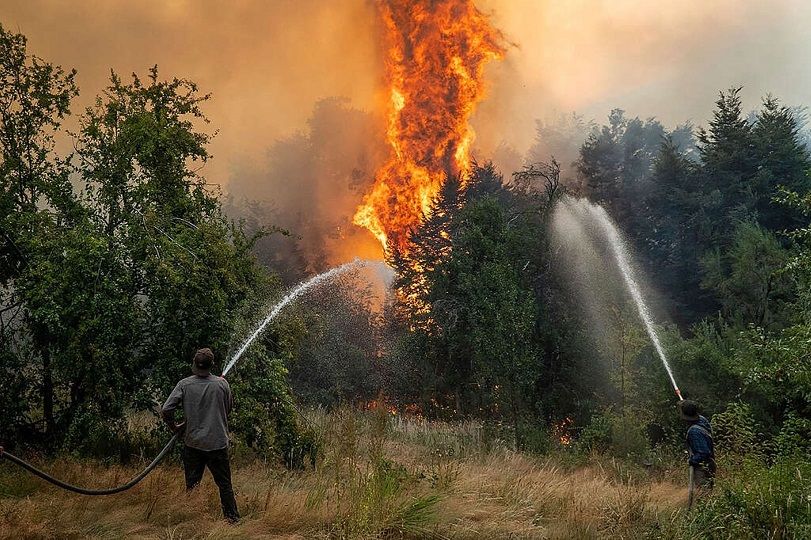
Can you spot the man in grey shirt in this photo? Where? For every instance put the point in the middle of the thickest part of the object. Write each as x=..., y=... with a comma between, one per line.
x=206, y=401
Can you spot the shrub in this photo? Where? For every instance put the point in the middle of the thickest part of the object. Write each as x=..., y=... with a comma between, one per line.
x=757, y=502
x=596, y=437
x=794, y=438
x=532, y=437
x=628, y=436
x=735, y=431
x=620, y=435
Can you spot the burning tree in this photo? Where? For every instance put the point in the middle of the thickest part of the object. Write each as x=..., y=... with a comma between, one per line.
x=435, y=58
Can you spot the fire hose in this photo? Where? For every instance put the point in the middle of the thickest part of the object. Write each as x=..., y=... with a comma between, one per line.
x=107, y=491
x=85, y=491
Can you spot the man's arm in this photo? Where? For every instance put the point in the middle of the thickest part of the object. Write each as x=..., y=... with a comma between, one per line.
x=168, y=410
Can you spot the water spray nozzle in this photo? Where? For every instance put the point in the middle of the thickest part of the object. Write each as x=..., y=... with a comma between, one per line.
x=678, y=393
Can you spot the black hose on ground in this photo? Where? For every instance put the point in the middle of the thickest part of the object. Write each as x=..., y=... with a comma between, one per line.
x=85, y=491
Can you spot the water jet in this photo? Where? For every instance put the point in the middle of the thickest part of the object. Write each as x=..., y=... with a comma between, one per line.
x=588, y=214
x=292, y=295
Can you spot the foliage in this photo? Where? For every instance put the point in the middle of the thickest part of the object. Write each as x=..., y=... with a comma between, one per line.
x=596, y=436
x=35, y=195
x=720, y=228
x=464, y=286
x=794, y=438
x=748, y=279
x=615, y=161
x=337, y=360
x=117, y=261
x=112, y=286
x=735, y=431
x=756, y=502
x=620, y=435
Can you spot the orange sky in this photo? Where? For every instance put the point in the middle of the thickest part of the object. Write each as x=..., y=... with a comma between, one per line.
x=268, y=62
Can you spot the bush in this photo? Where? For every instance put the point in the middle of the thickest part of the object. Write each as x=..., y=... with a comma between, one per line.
x=628, y=437
x=757, y=502
x=620, y=435
x=596, y=437
x=794, y=439
x=532, y=437
x=735, y=431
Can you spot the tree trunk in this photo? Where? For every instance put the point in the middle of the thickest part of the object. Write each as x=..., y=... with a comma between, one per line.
x=48, y=393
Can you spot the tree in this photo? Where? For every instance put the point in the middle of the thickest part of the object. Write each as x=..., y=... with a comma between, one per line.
x=110, y=288
x=496, y=308
x=184, y=272
x=675, y=224
x=560, y=138
x=783, y=162
x=728, y=166
x=748, y=278
x=35, y=198
x=464, y=285
x=338, y=358
x=615, y=164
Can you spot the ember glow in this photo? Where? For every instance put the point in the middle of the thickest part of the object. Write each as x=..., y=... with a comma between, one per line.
x=562, y=431
x=435, y=57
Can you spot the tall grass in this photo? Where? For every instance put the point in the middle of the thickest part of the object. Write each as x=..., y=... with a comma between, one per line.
x=378, y=477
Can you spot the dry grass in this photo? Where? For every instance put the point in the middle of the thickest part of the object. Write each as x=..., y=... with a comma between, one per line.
x=377, y=479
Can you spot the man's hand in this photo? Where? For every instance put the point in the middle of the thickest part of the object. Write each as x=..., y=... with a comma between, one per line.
x=169, y=420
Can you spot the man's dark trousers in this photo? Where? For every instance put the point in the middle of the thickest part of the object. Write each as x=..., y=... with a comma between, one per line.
x=194, y=463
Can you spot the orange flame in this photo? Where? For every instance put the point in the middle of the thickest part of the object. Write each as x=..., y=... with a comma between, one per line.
x=436, y=51
x=562, y=431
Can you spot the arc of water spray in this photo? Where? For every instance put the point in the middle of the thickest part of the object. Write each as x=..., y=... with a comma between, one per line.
x=621, y=256
x=297, y=291
x=294, y=293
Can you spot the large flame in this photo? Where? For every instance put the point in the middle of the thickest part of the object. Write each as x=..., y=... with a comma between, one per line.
x=435, y=56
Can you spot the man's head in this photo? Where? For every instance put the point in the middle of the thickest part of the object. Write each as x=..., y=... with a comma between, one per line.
x=689, y=410
x=203, y=360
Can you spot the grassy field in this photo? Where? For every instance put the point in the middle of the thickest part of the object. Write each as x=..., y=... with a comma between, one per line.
x=378, y=477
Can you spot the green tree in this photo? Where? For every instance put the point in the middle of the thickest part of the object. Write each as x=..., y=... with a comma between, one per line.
x=465, y=285
x=675, y=223
x=728, y=165
x=749, y=279
x=107, y=290
x=187, y=273
x=338, y=358
x=35, y=198
x=783, y=163
x=615, y=164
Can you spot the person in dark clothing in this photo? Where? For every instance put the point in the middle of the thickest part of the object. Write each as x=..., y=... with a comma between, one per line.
x=206, y=401
x=700, y=448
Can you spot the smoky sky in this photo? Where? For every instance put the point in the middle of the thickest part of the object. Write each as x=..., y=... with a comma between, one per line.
x=269, y=63
x=662, y=59
x=266, y=63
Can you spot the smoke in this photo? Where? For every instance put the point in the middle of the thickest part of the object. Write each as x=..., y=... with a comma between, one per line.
x=271, y=64
x=311, y=182
x=667, y=60
x=266, y=63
